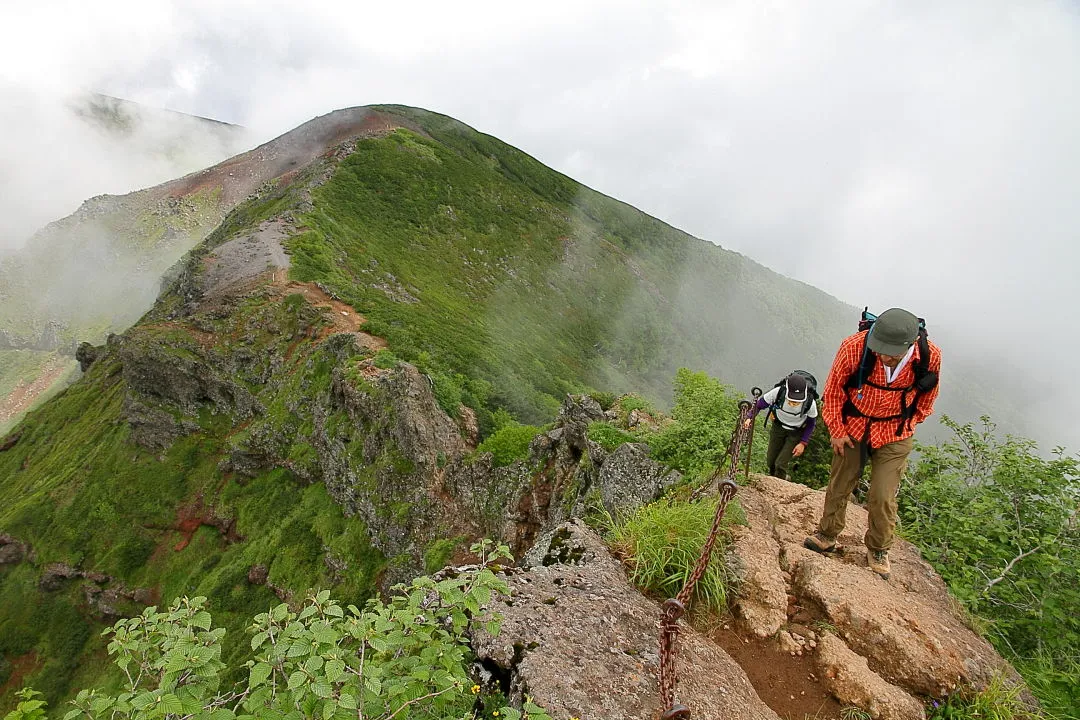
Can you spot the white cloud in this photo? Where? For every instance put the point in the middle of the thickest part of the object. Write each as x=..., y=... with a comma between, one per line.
x=914, y=153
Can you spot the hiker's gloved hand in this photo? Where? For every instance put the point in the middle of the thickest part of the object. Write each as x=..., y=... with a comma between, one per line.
x=798, y=450
x=838, y=444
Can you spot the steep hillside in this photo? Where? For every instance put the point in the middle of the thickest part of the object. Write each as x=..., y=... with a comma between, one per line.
x=257, y=433
x=98, y=270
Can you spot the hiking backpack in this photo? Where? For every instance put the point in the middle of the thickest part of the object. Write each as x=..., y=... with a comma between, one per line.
x=811, y=394
x=925, y=380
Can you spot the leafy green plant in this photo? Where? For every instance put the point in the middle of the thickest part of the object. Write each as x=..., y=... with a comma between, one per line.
x=509, y=443
x=705, y=411
x=999, y=522
x=385, y=359
x=29, y=707
x=661, y=543
x=851, y=712
x=608, y=436
x=403, y=658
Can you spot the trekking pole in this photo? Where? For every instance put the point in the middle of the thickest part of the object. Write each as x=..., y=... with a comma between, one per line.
x=756, y=393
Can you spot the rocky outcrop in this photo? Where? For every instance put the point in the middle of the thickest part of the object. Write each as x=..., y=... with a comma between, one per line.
x=86, y=354
x=582, y=642
x=564, y=476
x=884, y=643
x=106, y=598
x=12, y=551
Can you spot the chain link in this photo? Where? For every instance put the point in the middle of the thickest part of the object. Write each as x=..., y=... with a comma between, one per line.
x=674, y=608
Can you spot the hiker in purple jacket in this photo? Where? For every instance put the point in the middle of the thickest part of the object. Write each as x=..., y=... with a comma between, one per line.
x=792, y=404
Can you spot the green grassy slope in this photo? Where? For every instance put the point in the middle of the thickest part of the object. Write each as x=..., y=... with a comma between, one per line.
x=507, y=283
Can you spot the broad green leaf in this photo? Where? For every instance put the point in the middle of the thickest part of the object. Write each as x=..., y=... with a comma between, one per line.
x=259, y=639
x=297, y=679
x=171, y=704
x=259, y=674
x=335, y=669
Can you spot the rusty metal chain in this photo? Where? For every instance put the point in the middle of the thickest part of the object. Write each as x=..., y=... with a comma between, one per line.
x=700, y=491
x=756, y=393
x=674, y=608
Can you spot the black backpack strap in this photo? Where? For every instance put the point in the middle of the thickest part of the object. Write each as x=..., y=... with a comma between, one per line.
x=925, y=381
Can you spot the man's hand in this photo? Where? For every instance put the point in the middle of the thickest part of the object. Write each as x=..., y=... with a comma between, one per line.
x=749, y=422
x=838, y=444
x=798, y=449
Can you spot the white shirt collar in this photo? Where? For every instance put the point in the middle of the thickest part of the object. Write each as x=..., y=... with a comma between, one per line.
x=891, y=373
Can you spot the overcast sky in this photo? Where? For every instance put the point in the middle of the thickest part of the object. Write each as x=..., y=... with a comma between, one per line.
x=920, y=154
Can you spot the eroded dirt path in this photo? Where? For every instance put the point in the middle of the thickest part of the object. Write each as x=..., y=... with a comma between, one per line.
x=25, y=393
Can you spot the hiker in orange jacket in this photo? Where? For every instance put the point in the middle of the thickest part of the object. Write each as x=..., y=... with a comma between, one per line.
x=882, y=384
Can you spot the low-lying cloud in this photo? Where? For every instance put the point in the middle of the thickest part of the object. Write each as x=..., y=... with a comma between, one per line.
x=896, y=153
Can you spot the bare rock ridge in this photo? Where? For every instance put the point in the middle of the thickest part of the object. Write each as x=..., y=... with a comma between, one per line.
x=580, y=640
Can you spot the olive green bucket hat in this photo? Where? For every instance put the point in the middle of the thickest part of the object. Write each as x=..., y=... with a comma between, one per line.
x=893, y=332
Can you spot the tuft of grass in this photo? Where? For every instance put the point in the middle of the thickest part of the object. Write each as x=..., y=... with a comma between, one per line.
x=608, y=436
x=1055, y=682
x=999, y=701
x=661, y=543
x=851, y=712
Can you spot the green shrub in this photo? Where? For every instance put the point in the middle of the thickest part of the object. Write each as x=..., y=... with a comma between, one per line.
x=661, y=543
x=385, y=359
x=448, y=392
x=631, y=402
x=509, y=443
x=608, y=436
x=705, y=412
x=29, y=707
x=406, y=658
x=998, y=522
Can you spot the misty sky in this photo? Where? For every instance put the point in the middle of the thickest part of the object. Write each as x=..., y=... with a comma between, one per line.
x=921, y=154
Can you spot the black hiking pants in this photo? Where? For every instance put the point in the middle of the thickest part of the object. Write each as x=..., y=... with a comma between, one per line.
x=781, y=444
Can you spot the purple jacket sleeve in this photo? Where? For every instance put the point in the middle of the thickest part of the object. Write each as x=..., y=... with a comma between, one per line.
x=808, y=429
x=758, y=407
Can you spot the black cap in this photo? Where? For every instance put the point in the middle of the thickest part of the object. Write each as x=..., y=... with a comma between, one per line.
x=796, y=387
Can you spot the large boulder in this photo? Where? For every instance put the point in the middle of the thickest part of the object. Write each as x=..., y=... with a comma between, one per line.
x=890, y=641
x=582, y=642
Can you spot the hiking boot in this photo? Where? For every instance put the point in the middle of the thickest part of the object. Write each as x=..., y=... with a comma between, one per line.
x=878, y=560
x=820, y=543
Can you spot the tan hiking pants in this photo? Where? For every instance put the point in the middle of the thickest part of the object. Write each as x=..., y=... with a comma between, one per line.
x=887, y=465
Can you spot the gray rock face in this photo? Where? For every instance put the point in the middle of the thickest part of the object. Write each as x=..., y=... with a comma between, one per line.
x=582, y=642
x=86, y=354
x=565, y=475
x=12, y=551
x=168, y=380
x=628, y=476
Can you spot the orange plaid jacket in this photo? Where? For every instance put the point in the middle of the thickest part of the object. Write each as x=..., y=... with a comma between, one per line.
x=871, y=400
